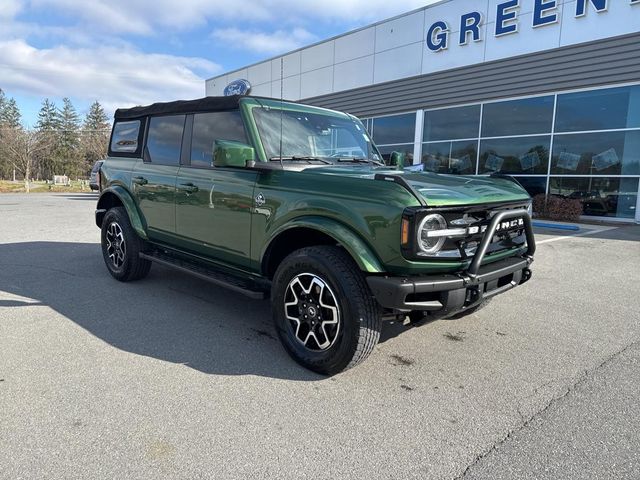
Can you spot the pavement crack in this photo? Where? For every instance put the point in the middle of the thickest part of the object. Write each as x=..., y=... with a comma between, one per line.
x=579, y=380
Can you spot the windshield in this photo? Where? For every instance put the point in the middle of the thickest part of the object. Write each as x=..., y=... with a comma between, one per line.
x=312, y=135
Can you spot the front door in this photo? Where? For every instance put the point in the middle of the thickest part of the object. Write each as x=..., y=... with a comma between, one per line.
x=213, y=212
x=153, y=180
x=213, y=204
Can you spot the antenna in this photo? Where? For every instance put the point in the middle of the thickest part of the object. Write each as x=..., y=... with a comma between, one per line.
x=281, y=105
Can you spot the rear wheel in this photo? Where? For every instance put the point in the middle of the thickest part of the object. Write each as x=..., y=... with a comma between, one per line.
x=323, y=311
x=121, y=247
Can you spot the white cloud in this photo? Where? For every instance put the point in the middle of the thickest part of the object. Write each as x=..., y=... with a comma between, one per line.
x=90, y=55
x=10, y=8
x=260, y=42
x=146, y=17
x=117, y=76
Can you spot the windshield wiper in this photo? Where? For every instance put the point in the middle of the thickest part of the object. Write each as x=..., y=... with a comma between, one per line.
x=302, y=158
x=360, y=160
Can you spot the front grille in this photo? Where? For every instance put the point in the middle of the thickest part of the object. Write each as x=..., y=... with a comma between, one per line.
x=480, y=216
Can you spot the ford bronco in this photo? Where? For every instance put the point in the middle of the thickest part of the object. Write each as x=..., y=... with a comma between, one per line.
x=294, y=202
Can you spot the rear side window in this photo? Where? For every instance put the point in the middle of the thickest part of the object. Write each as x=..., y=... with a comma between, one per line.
x=125, y=137
x=164, y=140
x=209, y=127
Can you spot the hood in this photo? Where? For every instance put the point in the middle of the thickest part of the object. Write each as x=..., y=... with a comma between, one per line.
x=441, y=190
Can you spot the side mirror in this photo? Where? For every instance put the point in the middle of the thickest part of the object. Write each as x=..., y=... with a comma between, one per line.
x=397, y=160
x=232, y=154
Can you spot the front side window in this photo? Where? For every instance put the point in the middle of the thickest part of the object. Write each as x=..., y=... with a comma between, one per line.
x=164, y=140
x=209, y=127
x=125, y=137
x=287, y=133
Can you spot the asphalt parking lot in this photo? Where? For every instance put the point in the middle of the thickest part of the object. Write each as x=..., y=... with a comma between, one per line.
x=172, y=377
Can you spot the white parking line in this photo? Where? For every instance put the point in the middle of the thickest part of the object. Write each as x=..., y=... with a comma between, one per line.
x=583, y=234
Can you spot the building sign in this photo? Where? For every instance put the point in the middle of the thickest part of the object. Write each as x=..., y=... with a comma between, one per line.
x=237, y=87
x=545, y=12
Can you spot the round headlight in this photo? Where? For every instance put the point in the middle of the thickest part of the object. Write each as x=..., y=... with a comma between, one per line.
x=431, y=222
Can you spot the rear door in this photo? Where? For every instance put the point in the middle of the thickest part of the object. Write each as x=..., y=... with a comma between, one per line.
x=154, y=177
x=214, y=205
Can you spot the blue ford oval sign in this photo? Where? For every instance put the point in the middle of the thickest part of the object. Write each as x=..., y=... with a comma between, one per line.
x=237, y=87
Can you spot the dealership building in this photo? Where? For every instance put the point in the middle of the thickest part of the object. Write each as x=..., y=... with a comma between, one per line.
x=545, y=90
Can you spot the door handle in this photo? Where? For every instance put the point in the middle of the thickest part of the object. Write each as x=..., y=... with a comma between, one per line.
x=189, y=187
x=140, y=180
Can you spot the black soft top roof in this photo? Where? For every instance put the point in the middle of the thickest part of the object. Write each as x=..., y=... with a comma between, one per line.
x=206, y=104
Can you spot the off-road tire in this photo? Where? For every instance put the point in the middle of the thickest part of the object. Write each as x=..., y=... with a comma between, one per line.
x=359, y=313
x=128, y=266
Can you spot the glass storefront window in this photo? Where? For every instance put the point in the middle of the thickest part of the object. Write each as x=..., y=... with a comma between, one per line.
x=610, y=153
x=515, y=155
x=527, y=116
x=451, y=123
x=607, y=109
x=533, y=185
x=592, y=155
x=394, y=129
x=450, y=157
x=614, y=197
x=406, y=150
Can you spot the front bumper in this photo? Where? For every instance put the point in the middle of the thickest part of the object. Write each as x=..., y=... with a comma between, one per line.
x=449, y=293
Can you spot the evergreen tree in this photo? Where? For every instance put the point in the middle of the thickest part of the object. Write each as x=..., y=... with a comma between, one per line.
x=48, y=128
x=95, y=135
x=11, y=116
x=10, y=122
x=4, y=163
x=68, y=154
x=48, y=117
x=69, y=125
x=3, y=102
x=96, y=119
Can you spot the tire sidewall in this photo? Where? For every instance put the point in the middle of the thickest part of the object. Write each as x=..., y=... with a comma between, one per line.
x=337, y=356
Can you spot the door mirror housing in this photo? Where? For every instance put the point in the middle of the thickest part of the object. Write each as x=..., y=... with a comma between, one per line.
x=227, y=153
x=397, y=160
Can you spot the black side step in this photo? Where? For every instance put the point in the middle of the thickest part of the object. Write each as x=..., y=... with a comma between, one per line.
x=255, y=290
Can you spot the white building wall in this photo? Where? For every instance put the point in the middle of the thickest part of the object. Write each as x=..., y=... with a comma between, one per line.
x=396, y=48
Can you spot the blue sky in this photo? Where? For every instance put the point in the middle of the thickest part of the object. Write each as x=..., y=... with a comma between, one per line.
x=130, y=52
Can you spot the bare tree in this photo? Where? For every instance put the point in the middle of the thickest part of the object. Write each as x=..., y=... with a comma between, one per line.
x=22, y=148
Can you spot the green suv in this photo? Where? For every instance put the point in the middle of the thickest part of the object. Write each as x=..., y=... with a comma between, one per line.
x=294, y=202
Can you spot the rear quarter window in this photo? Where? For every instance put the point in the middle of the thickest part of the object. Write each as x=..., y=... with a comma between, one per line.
x=125, y=137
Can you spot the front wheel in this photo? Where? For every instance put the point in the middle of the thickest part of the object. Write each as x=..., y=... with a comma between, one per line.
x=323, y=310
x=121, y=247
